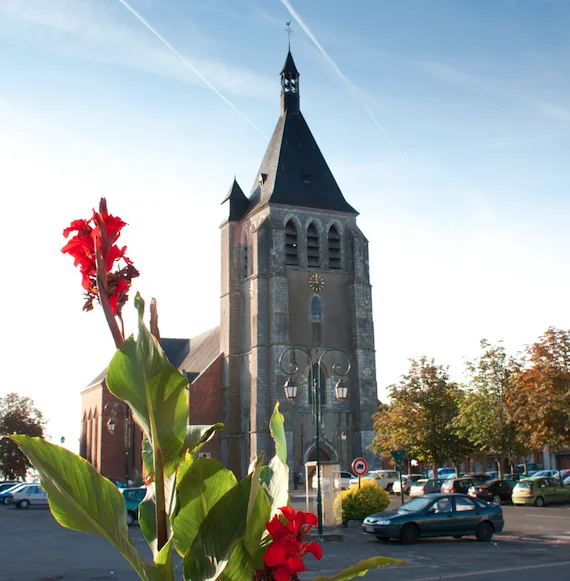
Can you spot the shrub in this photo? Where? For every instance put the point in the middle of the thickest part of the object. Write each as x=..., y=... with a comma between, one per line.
x=358, y=503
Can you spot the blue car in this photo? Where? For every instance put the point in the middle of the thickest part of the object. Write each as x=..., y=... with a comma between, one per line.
x=437, y=515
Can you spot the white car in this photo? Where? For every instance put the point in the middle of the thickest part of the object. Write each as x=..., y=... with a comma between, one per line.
x=345, y=478
x=383, y=478
x=28, y=494
x=407, y=481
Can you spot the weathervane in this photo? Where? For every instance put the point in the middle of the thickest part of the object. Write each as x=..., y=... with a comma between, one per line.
x=289, y=31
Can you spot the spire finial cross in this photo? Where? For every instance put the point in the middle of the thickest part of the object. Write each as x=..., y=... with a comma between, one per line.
x=289, y=31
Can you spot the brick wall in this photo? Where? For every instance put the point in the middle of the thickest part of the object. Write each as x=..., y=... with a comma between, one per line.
x=206, y=402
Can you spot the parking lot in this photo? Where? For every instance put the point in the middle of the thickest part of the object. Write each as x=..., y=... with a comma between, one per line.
x=33, y=547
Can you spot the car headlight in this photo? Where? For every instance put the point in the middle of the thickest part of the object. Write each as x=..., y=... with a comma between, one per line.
x=383, y=523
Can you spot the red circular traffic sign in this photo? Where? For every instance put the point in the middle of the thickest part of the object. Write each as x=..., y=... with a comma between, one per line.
x=360, y=466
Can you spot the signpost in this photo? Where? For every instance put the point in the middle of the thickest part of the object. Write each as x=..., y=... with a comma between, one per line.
x=359, y=468
x=399, y=456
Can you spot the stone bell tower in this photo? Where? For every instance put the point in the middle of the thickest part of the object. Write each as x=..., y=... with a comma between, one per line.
x=294, y=273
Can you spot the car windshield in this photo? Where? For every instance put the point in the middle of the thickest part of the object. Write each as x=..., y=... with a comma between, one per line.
x=415, y=505
x=524, y=484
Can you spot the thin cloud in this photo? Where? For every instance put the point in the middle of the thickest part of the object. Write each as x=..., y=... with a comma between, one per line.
x=190, y=66
x=355, y=91
x=92, y=31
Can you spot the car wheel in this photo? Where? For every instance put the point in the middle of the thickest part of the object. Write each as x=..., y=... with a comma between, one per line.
x=497, y=499
x=485, y=532
x=539, y=501
x=23, y=504
x=389, y=488
x=131, y=518
x=409, y=534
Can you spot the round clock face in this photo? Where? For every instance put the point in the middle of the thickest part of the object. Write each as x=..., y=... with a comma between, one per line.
x=316, y=282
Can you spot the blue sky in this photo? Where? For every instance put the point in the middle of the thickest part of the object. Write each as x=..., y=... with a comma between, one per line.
x=446, y=124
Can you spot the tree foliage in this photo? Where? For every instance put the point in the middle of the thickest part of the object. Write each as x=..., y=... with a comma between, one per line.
x=486, y=415
x=542, y=397
x=420, y=416
x=18, y=415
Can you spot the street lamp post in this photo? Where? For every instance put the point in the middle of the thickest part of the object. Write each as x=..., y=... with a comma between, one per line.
x=112, y=424
x=341, y=392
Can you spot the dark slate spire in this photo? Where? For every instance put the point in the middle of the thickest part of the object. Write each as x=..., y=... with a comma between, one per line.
x=238, y=202
x=293, y=171
x=290, y=86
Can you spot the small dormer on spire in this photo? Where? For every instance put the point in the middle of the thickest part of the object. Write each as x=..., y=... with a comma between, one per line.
x=290, y=87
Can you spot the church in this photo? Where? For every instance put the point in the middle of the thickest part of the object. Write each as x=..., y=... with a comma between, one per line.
x=295, y=304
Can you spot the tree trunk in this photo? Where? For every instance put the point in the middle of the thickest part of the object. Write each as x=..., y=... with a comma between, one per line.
x=434, y=469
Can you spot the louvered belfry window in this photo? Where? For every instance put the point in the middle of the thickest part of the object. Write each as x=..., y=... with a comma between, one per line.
x=291, y=245
x=334, y=248
x=313, y=247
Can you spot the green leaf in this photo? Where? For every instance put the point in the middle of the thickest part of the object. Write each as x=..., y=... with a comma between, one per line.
x=275, y=481
x=255, y=530
x=141, y=375
x=360, y=569
x=277, y=429
x=240, y=566
x=219, y=534
x=196, y=436
x=82, y=500
x=204, y=483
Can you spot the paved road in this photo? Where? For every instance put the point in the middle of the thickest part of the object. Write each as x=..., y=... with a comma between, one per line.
x=33, y=547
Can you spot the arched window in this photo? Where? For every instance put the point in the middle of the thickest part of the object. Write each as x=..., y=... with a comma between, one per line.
x=313, y=375
x=291, y=246
x=245, y=259
x=88, y=440
x=316, y=310
x=334, y=248
x=83, y=442
x=313, y=247
x=95, y=441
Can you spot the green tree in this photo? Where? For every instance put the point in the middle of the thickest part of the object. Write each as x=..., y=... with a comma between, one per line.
x=18, y=415
x=487, y=417
x=542, y=396
x=420, y=416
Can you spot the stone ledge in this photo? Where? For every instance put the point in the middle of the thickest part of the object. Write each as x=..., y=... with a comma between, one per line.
x=330, y=535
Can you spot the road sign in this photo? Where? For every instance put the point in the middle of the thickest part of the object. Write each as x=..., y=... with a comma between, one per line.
x=360, y=466
x=398, y=456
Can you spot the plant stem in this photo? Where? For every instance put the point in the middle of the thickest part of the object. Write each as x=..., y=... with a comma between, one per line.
x=161, y=529
x=104, y=299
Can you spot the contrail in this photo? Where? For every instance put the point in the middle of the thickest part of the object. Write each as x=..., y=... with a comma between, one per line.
x=353, y=88
x=190, y=65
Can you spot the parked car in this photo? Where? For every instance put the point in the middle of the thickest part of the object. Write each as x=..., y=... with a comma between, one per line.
x=565, y=473
x=5, y=484
x=546, y=474
x=540, y=491
x=513, y=477
x=530, y=467
x=478, y=476
x=407, y=481
x=437, y=515
x=425, y=486
x=5, y=494
x=496, y=491
x=442, y=473
x=456, y=485
x=28, y=494
x=345, y=479
x=567, y=480
x=383, y=478
x=133, y=497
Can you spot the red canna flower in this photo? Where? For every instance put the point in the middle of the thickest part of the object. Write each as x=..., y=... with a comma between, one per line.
x=106, y=271
x=283, y=557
